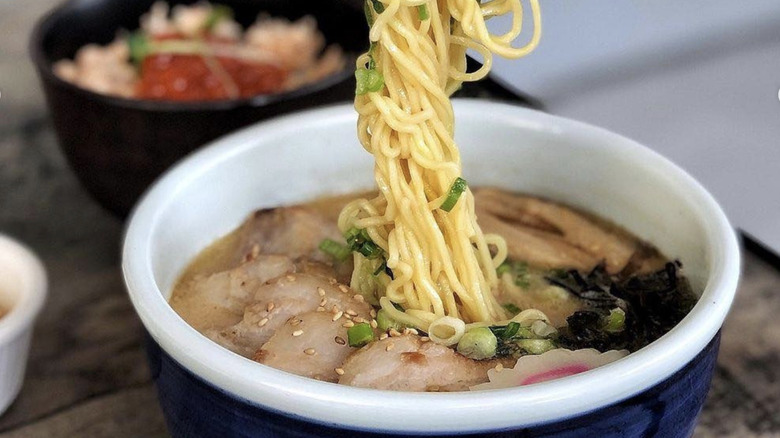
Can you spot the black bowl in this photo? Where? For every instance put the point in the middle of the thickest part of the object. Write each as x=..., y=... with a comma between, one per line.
x=118, y=146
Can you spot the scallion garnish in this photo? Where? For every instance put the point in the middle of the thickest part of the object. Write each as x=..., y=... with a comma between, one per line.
x=422, y=12
x=378, y=6
x=511, y=329
x=458, y=187
x=368, y=80
x=503, y=268
x=518, y=269
x=521, y=272
x=511, y=308
x=360, y=335
x=138, y=44
x=382, y=267
x=218, y=13
x=335, y=249
x=369, y=14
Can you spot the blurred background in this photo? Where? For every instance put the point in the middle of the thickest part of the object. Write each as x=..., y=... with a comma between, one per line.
x=697, y=81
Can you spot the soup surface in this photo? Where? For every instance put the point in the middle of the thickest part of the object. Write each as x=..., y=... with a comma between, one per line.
x=585, y=292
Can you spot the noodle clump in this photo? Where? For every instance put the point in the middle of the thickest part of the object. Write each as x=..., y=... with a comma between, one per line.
x=440, y=263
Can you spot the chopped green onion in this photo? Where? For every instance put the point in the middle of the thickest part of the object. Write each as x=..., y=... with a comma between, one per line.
x=478, y=344
x=370, y=250
x=535, y=346
x=369, y=14
x=382, y=268
x=360, y=335
x=378, y=6
x=615, y=321
x=368, y=80
x=359, y=240
x=521, y=270
x=138, y=44
x=518, y=269
x=335, y=249
x=458, y=187
x=218, y=13
x=503, y=268
x=511, y=329
x=385, y=322
x=422, y=12
x=511, y=307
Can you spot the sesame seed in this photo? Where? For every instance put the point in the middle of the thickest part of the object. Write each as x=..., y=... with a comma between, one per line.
x=351, y=312
x=373, y=323
x=425, y=339
x=358, y=319
x=320, y=309
x=335, y=309
x=411, y=331
x=343, y=288
x=337, y=316
x=333, y=281
x=295, y=322
x=348, y=324
x=310, y=351
x=323, y=302
x=339, y=371
x=383, y=336
x=263, y=322
x=290, y=278
x=390, y=346
x=394, y=333
x=321, y=291
x=372, y=313
x=347, y=316
x=297, y=333
x=339, y=340
x=499, y=367
x=270, y=306
x=359, y=298
x=434, y=388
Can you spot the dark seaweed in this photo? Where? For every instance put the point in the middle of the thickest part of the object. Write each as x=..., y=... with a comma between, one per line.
x=653, y=304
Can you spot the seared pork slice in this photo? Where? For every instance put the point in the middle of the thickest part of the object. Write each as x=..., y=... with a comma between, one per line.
x=292, y=231
x=280, y=300
x=311, y=344
x=341, y=271
x=558, y=225
x=406, y=363
x=542, y=249
x=218, y=300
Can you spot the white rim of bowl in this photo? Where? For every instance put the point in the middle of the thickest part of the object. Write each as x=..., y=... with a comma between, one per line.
x=339, y=405
x=30, y=303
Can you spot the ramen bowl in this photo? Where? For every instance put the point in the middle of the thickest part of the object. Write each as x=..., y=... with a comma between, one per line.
x=206, y=390
x=118, y=146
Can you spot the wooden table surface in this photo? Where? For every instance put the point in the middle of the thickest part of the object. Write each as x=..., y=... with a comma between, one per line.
x=87, y=374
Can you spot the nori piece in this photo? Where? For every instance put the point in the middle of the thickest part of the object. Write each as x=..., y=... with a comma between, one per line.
x=653, y=303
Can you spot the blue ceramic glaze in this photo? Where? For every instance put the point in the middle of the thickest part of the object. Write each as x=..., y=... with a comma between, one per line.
x=195, y=408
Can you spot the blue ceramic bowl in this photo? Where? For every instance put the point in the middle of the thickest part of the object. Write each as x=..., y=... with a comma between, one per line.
x=206, y=390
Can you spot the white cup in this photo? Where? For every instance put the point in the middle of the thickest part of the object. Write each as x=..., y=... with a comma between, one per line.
x=22, y=294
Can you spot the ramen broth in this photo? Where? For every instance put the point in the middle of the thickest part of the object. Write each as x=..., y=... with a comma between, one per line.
x=222, y=293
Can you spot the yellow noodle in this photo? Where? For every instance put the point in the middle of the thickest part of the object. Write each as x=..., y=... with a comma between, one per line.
x=441, y=261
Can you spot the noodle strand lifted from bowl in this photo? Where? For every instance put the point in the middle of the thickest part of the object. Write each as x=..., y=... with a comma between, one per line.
x=420, y=236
